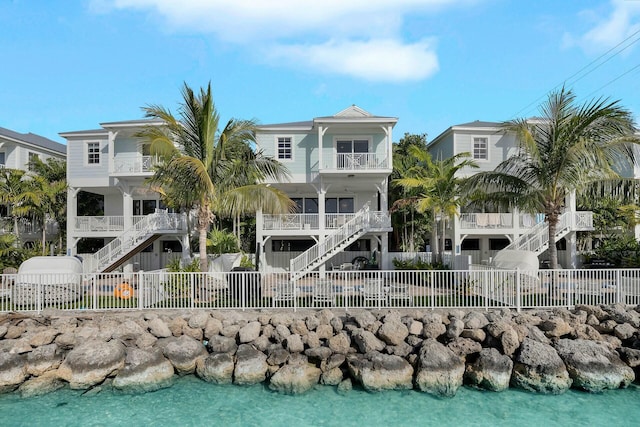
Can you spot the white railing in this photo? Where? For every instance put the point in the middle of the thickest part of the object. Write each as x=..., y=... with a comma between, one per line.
x=537, y=238
x=361, y=161
x=290, y=222
x=131, y=238
x=102, y=223
x=363, y=221
x=482, y=288
x=128, y=163
x=475, y=221
x=28, y=227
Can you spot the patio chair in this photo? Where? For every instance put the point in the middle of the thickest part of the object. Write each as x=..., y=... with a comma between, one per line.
x=373, y=291
x=283, y=293
x=323, y=293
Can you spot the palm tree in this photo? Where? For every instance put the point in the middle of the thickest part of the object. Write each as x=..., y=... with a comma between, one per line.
x=440, y=191
x=200, y=168
x=13, y=183
x=44, y=201
x=569, y=147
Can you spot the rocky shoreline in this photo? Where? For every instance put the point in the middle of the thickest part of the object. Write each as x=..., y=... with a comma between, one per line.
x=547, y=351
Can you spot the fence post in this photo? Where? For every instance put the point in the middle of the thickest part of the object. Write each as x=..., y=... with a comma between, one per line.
x=485, y=288
x=518, y=304
x=140, y=279
x=243, y=290
x=618, y=286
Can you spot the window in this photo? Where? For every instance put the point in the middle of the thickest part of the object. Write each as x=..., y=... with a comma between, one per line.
x=470, y=245
x=144, y=207
x=349, y=146
x=291, y=245
x=359, y=246
x=2, y=159
x=171, y=246
x=498, y=244
x=339, y=205
x=306, y=205
x=93, y=153
x=285, y=151
x=32, y=158
x=481, y=148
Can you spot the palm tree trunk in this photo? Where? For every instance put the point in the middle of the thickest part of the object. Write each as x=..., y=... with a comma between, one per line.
x=44, y=239
x=553, y=251
x=442, y=239
x=203, y=227
x=434, y=239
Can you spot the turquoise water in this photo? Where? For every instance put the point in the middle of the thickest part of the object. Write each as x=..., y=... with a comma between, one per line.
x=192, y=402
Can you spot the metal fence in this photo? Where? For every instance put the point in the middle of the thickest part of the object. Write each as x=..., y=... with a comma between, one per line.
x=481, y=288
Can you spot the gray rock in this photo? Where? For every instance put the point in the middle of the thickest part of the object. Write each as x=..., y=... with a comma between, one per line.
x=491, y=371
x=624, y=331
x=345, y=386
x=475, y=320
x=250, y=332
x=183, y=352
x=478, y=335
x=199, y=319
x=440, y=371
x=159, y=328
x=537, y=367
x=216, y=368
x=433, y=326
x=462, y=347
x=128, y=330
x=335, y=361
x=510, y=342
x=43, y=359
x=48, y=382
x=144, y=370
x=415, y=327
x=312, y=340
x=332, y=377
x=324, y=332
x=336, y=324
x=393, y=332
x=277, y=355
x=293, y=343
x=631, y=356
x=364, y=319
x=91, y=362
x=592, y=366
x=43, y=337
x=366, y=341
x=220, y=344
x=403, y=349
x=251, y=366
x=12, y=371
x=146, y=340
x=195, y=333
x=607, y=326
x=281, y=333
x=3, y=330
x=299, y=327
x=312, y=322
x=283, y=318
x=377, y=371
x=340, y=343
x=555, y=327
x=295, y=379
x=230, y=330
x=455, y=328
x=318, y=354
x=212, y=328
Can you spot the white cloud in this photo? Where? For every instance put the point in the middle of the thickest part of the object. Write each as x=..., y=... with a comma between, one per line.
x=621, y=22
x=360, y=38
x=374, y=60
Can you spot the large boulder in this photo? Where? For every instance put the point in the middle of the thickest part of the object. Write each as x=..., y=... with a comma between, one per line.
x=91, y=362
x=393, y=332
x=216, y=368
x=250, y=332
x=593, y=366
x=251, y=365
x=491, y=370
x=295, y=379
x=367, y=341
x=43, y=359
x=12, y=371
x=440, y=371
x=537, y=367
x=220, y=344
x=377, y=371
x=183, y=352
x=144, y=370
x=38, y=386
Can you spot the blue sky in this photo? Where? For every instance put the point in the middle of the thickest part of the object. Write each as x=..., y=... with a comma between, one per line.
x=70, y=65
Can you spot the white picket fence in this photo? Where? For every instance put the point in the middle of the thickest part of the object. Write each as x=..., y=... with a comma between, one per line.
x=480, y=287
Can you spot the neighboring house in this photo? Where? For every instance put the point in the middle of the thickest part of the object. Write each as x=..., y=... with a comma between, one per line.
x=114, y=219
x=339, y=166
x=482, y=234
x=16, y=151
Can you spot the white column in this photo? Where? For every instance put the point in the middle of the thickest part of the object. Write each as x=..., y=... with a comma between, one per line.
x=72, y=214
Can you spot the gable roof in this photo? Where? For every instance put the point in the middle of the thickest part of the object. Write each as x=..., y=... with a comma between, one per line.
x=35, y=140
x=351, y=114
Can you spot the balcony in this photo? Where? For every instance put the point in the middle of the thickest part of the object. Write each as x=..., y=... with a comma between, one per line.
x=311, y=222
x=28, y=228
x=133, y=164
x=356, y=162
x=102, y=224
x=508, y=222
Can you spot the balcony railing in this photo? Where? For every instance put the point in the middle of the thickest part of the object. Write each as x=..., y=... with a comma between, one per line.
x=102, y=223
x=133, y=163
x=507, y=221
x=27, y=227
x=304, y=221
x=361, y=161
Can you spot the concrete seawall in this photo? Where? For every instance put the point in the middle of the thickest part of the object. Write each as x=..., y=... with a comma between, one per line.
x=591, y=348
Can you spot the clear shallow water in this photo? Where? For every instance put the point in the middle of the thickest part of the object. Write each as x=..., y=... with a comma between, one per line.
x=192, y=402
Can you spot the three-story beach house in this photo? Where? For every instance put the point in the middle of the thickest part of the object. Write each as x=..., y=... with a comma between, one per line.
x=339, y=166
x=481, y=233
x=115, y=220
x=16, y=151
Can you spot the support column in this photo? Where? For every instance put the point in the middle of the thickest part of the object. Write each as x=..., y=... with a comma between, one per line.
x=72, y=214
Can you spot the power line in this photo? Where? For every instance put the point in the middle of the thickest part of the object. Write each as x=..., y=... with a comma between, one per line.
x=613, y=80
x=589, y=65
